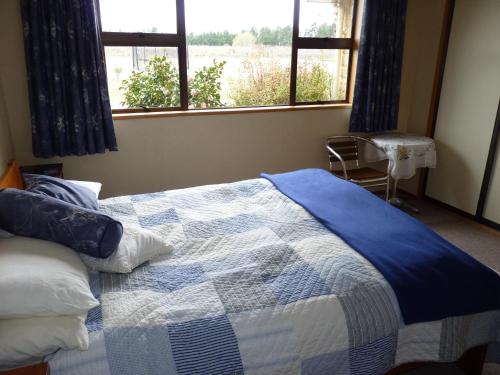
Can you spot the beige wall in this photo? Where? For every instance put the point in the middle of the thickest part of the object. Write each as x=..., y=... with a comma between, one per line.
x=185, y=151
x=468, y=105
x=6, y=148
x=13, y=74
x=423, y=30
x=6, y=144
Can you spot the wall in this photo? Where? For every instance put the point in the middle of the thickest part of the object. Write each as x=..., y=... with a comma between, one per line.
x=185, y=151
x=13, y=74
x=6, y=148
x=423, y=30
x=492, y=204
x=468, y=105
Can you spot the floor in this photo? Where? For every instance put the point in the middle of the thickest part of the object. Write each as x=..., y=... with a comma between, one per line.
x=480, y=241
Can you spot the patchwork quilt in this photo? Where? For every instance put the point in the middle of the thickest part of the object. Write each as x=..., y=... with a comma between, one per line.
x=255, y=285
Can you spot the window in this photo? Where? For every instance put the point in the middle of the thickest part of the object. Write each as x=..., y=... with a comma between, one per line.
x=197, y=54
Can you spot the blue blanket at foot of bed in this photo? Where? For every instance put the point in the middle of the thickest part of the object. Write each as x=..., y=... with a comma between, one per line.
x=432, y=278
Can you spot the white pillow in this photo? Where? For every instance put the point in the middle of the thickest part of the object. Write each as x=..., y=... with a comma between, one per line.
x=40, y=278
x=136, y=247
x=94, y=186
x=27, y=341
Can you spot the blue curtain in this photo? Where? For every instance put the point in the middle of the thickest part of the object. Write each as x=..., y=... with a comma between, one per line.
x=375, y=104
x=70, y=109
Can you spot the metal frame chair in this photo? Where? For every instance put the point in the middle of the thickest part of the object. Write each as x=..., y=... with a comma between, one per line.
x=342, y=148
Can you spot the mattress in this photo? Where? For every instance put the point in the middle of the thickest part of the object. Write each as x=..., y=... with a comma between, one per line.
x=255, y=285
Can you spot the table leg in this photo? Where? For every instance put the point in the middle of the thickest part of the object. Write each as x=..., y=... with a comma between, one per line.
x=401, y=203
x=395, y=189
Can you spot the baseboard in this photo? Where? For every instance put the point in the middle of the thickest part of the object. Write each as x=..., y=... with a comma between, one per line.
x=450, y=208
x=460, y=212
x=489, y=223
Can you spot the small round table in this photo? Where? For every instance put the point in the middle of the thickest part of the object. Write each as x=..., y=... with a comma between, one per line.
x=406, y=153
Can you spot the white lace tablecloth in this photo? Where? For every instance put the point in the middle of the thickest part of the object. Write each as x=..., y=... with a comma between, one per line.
x=406, y=152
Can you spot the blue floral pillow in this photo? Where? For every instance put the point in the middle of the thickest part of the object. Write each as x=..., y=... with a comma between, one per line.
x=87, y=231
x=61, y=189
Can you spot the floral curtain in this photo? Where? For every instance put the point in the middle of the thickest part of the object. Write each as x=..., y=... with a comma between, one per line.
x=376, y=96
x=70, y=108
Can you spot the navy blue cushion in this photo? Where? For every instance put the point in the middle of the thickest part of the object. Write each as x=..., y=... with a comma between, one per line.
x=87, y=231
x=61, y=189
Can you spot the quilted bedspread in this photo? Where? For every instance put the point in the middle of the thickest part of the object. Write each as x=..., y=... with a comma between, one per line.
x=255, y=285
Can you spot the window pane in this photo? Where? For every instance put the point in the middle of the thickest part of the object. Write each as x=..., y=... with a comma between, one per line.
x=239, y=52
x=325, y=18
x=143, y=76
x=322, y=74
x=147, y=16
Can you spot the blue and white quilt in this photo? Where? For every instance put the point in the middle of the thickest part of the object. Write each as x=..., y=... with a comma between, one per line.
x=255, y=285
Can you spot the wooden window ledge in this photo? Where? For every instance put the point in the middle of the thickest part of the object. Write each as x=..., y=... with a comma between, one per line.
x=226, y=111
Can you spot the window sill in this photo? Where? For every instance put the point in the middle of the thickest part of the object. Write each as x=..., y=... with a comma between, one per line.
x=227, y=111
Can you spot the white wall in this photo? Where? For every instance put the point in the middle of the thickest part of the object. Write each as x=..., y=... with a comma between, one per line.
x=176, y=152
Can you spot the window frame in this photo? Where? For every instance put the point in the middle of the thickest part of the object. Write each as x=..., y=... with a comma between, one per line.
x=299, y=42
x=178, y=40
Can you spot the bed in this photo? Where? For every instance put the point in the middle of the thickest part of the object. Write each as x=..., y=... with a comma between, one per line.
x=256, y=285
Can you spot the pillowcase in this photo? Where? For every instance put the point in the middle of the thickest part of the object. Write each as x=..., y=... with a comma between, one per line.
x=136, y=247
x=29, y=214
x=61, y=189
x=27, y=341
x=41, y=278
x=95, y=187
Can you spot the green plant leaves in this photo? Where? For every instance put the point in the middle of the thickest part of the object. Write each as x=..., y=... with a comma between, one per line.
x=158, y=86
x=262, y=83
